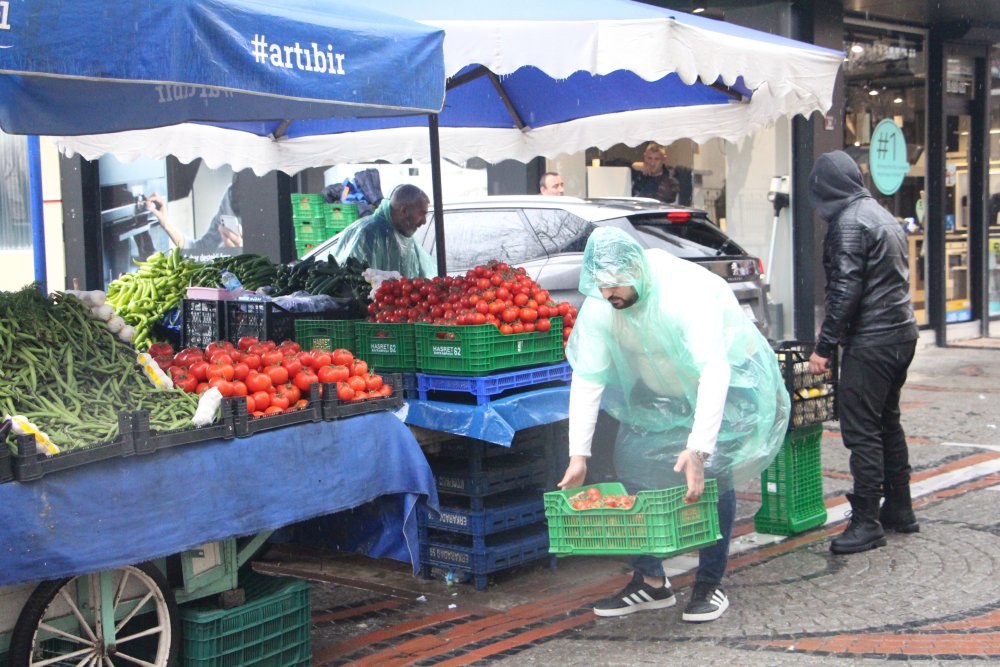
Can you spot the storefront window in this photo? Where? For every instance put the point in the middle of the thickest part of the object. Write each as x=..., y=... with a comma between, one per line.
x=885, y=75
x=15, y=211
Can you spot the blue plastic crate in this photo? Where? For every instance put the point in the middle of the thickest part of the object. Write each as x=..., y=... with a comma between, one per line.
x=521, y=546
x=508, y=514
x=484, y=387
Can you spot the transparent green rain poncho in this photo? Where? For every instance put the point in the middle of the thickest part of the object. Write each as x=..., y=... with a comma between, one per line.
x=686, y=332
x=375, y=241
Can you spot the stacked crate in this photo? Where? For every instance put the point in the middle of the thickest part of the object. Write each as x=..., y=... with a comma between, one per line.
x=492, y=513
x=309, y=220
x=792, y=486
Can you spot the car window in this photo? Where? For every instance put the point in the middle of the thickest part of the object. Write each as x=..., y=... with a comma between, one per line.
x=559, y=231
x=696, y=238
x=475, y=237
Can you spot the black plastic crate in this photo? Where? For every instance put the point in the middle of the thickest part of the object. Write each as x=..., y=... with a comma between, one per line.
x=534, y=440
x=29, y=465
x=6, y=472
x=456, y=553
x=246, y=424
x=202, y=322
x=503, y=474
x=813, y=395
x=487, y=387
x=264, y=320
x=149, y=440
x=334, y=408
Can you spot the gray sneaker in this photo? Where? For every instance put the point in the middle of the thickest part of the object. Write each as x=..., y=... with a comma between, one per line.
x=708, y=602
x=636, y=596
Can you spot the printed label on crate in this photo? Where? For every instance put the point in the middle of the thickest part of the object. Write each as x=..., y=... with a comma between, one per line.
x=449, y=555
x=446, y=351
x=772, y=487
x=451, y=482
x=383, y=348
x=520, y=346
x=453, y=519
x=690, y=514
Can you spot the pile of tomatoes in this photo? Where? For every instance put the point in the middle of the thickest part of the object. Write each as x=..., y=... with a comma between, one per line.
x=591, y=498
x=273, y=377
x=496, y=294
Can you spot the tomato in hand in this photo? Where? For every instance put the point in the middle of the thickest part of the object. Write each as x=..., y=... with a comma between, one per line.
x=594, y=493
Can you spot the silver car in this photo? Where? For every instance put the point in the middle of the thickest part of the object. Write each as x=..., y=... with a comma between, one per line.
x=547, y=235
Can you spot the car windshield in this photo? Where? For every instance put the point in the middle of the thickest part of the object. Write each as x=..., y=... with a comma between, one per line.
x=692, y=239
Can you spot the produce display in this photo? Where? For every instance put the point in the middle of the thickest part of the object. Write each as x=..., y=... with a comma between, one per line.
x=496, y=294
x=273, y=377
x=324, y=277
x=70, y=376
x=254, y=271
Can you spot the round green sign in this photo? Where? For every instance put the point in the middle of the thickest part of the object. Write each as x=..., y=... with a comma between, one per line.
x=887, y=157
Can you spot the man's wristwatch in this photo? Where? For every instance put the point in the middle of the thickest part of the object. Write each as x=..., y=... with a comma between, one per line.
x=701, y=456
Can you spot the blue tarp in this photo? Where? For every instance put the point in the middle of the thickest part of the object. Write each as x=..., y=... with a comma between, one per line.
x=124, y=511
x=496, y=421
x=95, y=66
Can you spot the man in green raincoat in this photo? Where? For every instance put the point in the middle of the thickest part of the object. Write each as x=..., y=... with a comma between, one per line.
x=696, y=387
x=384, y=240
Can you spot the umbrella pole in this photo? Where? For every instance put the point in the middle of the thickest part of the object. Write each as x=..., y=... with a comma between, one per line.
x=432, y=124
x=37, y=217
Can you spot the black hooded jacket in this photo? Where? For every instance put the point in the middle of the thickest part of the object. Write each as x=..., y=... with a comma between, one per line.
x=864, y=255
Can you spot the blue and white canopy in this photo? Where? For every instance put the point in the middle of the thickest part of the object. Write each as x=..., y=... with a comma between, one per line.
x=529, y=78
x=71, y=67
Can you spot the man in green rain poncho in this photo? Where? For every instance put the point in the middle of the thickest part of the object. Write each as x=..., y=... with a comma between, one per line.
x=384, y=240
x=695, y=386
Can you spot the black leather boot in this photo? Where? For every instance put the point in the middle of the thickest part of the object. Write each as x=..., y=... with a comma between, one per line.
x=864, y=532
x=897, y=511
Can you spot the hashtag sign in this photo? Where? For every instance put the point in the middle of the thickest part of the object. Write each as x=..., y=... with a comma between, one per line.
x=259, y=45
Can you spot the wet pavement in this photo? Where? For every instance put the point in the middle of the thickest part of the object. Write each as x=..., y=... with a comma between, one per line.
x=932, y=597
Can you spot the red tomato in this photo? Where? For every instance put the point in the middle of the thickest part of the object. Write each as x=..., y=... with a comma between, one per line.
x=160, y=350
x=272, y=358
x=278, y=374
x=301, y=403
x=246, y=342
x=220, y=357
x=373, y=382
x=510, y=314
x=359, y=367
x=201, y=388
x=279, y=401
x=253, y=361
x=357, y=383
x=183, y=380
x=333, y=374
x=344, y=391
x=342, y=357
x=520, y=299
x=304, y=380
x=273, y=410
x=251, y=405
x=239, y=388
x=594, y=493
x=291, y=391
x=292, y=365
x=384, y=390
x=199, y=369
x=224, y=386
x=543, y=324
x=261, y=399
x=321, y=358
x=506, y=329
x=289, y=346
x=528, y=315
x=241, y=371
x=225, y=371
x=517, y=327
x=258, y=382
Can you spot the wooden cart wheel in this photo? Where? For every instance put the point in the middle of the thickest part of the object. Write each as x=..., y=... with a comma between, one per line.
x=65, y=621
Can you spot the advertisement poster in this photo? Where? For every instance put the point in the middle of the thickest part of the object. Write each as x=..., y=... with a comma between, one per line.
x=152, y=206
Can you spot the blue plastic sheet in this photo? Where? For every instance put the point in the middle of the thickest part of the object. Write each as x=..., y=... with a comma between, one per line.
x=134, y=509
x=495, y=422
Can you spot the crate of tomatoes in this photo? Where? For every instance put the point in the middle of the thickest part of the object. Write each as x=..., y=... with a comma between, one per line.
x=494, y=317
x=603, y=519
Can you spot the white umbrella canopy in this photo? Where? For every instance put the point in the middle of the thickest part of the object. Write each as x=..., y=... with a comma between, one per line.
x=530, y=79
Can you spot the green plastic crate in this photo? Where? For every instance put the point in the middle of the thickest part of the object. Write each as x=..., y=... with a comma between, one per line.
x=386, y=347
x=659, y=524
x=791, y=488
x=311, y=229
x=482, y=349
x=271, y=628
x=307, y=205
x=339, y=215
x=325, y=334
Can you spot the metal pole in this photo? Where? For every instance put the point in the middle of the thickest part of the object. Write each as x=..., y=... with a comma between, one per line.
x=37, y=216
x=438, y=197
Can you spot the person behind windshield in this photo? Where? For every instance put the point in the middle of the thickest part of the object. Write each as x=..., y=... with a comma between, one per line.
x=695, y=386
x=384, y=240
x=551, y=183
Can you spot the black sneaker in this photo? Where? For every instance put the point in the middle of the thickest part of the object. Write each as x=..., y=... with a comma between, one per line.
x=708, y=602
x=636, y=596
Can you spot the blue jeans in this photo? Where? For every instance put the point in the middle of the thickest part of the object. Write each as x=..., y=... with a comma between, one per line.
x=712, y=560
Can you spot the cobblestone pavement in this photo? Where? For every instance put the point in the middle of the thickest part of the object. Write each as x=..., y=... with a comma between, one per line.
x=932, y=597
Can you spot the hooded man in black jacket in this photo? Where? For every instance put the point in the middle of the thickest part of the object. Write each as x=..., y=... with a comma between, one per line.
x=869, y=315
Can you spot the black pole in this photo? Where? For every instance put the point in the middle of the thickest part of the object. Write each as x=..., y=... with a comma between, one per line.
x=935, y=189
x=432, y=124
